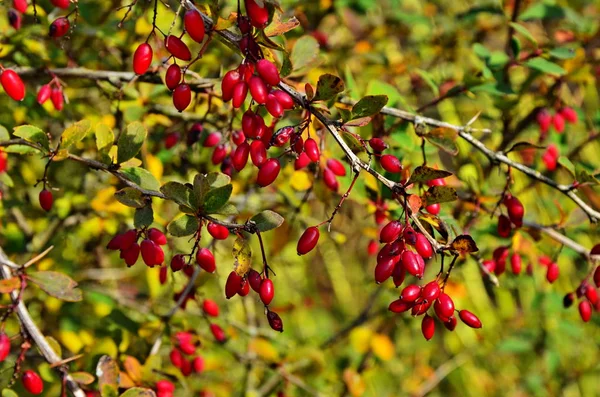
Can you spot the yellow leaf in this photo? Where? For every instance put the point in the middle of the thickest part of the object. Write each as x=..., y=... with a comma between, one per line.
x=155, y=166
x=71, y=341
x=52, y=304
x=383, y=347
x=142, y=28
x=264, y=349
x=133, y=368
x=243, y=256
x=354, y=382
x=105, y=202
x=125, y=381
x=360, y=338
x=301, y=181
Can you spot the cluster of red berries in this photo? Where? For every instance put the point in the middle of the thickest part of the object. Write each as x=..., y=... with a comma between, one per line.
x=150, y=247
x=588, y=294
x=557, y=120
x=54, y=92
x=185, y=345
x=515, y=211
x=58, y=28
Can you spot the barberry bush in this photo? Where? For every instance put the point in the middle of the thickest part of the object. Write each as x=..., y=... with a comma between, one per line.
x=265, y=197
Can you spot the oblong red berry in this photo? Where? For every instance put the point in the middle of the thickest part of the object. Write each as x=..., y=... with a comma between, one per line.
x=206, y=260
x=46, y=200
x=240, y=91
x=311, y=148
x=504, y=227
x=173, y=76
x=182, y=96
x=219, y=232
x=162, y=275
x=12, y=84
x=431, y=291
x=552, y=272
x=59, y=27
x=336, y=167
x=390, y=232
x=177, y=263
x=4, y=346
x=267, y=291
x=64, y=4
x=254, y=280
x=142, y=58
x=233, y=284
x=210, y=307
x=176, y=358
x=20, y=5
x=245, y=288
x=433, y=209
x=148, y=250
x=273, y=106
x=391, y=163
x=268, y=172
x=515, y=210
x=229, y=81
x=32, y=382
x=275, y=321
x=558, y=122
x=399, y=306
x=194, y=25
x=377, y=144
x=591, y=294
x=597, y=277
x=384, y=269
x=568, y=113
x=268, y=71
x=451, y=323
x=258, y=90
x=165, y=386
x=420, y=307
x=302, y=161
x=286, y=101
x=219, y=154
x=444, y=307
x=411, y=264
x=198, y=364
x=399, y=274
x=515, y=263
x=428, y=327
x=423, y=246
x=239, y=158
x=218, y=333
x=57, y=98
x=258, y=153
x=308, y=240
x=177, y=48
x=259, y=16
x=469, y=319
x=212, y=139
x=157, y=236
x=330, y=181
x=43, y=94
x=585, y=310
x=410, y=293
x=15, y=19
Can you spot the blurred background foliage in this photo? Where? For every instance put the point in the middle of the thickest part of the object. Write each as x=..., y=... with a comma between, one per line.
x=412, y=51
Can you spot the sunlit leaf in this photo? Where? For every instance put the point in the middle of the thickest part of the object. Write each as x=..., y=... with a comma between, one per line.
x=57, y=284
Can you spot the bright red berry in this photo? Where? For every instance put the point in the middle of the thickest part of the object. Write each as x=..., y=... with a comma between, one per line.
x=219, y=232
x=431, y=291
x=433, y=209
x=173, y=76
x=258, y=89
x=182, y=96
x=411, y=264
x=157, y=236
x=64, y=4
x=148, y=250
x=165, y=386
x=384, y=269
x=194, y=25
x=4, y=346
x=229, y=81
x=239, y=158
x=268, y=71
x=198, y=364
x=444, y=307
x=377, y=144
x=302, y=161
x=32, y=382
x=268, y=172
x=212, y=139
x=210, y=307
x=591, y=294
x=515, y=263
x=46, y=200
x=515, y=210
x=273, y=106
x=336, y=167
x=428, y=327
x=177, y=48
x=218, y=333
x=585, y=310
x=239, y=93
x=399, y=274
x=558, y=122
x=176, y=358
x=544, y=119
x=142, y=58
x=267, y=291
x=131, y=254
x=308, y=240
x=469, y=319
x=311, y=148
x=390, y=232
x=391, y=163
x=423, y=246
x=20, y=5
x=206, y=260
x=286, y=101
x=259, y=16
x=258, y=153
x=330, y=181
x=400, y=306
x=12, y=84
x=552, y=272
x=410, y=293
x=219, y=154
x=57, y=98
x=43, y=94
x=59, y=27
x=569, y=114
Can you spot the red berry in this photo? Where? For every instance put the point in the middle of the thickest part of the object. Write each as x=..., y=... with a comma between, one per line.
x=219, y=232
x=206, y=260
x=57, y=98
x=267, y=291
x=239, y=158
x=451, y=323
x=308, y=240
x=273, y=106
x=198, y=364
x=186, y=367
x=12, y=84
x=129, y=238
x=286, y=101
x=433, y=209
x=59, y=27
x=43, y=94
x=592, y=295
x=194, y=25
x=311, y=148
x=423, y=246
x=515, y=210
x=336, y=167
x=115, y=243
x=177, y=48
x=552, y=272
x=390, y=232
x=259, y=16
x=469, y=319
x=275, y=321
x=391, y=163
x=258, y=153
x=268, y=172
x=399, y=306
x=568, y=113
x=15, y=19
x=420, y=307
x=219, y=154
x=218, y=333
x=515, y=263
x=385, y=269
x=377, y=144
x=410, y=293
x=210, y=307
x=544, y=119
x=444, y=307
x=302, y=161
x=32, y=382
x=597, y=277
x=372, y=247
x=431, y=291
x=399, y=274
x=20, y=5
x=177, y=262
x=268, y=71
x=558, y=122
x=428, y=327
x=212, y=139
x=173, y=76
x=504, y=227
x=164, y=386
x=148, y=249
x=142, y=58
x=64, y=4
x=233, y=284
x=330, y=181
x=230, y=79
x=46, y=200
x=171, y=139
x=240, y=91
x=182, y=96
x=436, y=182
x=157, y=236
x=176, y=358
x=4, y=346
x=411, y=264
x=258, y=90
x=585, y=310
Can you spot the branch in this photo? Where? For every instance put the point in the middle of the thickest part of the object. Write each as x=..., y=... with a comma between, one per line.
x=32, y=329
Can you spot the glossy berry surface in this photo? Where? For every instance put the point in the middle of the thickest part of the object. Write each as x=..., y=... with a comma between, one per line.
x=32, y=382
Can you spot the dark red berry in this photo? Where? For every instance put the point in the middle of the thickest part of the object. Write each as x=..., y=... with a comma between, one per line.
x=399, y=274
x=515, y=210
x=259, y=16
x=129, y=238
x=410, y=293
x=218, y=333
x=148, y=250
x=64, y=4
x=568, y=300
x=268, y=172
x=4, y=346
x=230, y=79
x=308, y=240
x=59, y=27
x=585, y=310
x=173, y=76
x=239, y=158
x=258, y=153
x=171, y=139
x=544, y=119
x=46, y=200
x=268, y=71
x=267, y=291
x=15, y=19
x=391, y=163
x=177, y=48
x=206, y=260
x=411, y=264
x=194, y=25
x=597, y=277
x=182, y=96
x=12, y=84
x=384, y=269
x=32, y=382
x=390, y=232
x=177, y=262
x=444, y=307
x=233, y=284
x=210, y=307
x=399, y=306
x=428, y=327
x=142, y=58
x=275, y=321
x=176, y=358
x=240, y=91
x=219, y=154
x=377, y=144
x=504, y=227
x=469, y=319
x=451, y=323
x=57, y=98
x=254, y=280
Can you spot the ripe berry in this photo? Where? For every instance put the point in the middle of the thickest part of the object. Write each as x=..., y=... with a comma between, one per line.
x=15, y=19
x=428, y=327
x=142, y=58
x=312, y=149
x=597, y=277
x=469, y=319
x=399, y=306
x=558, y=122
x=275, y=321
x=423, y=246
x=20, y=5
x=182, y=96
x=377, y=144
x=219, y=232
x=504, y=227
x=515, y=210
x=515, y=263
x=258, y=90
x=219, y=154
x=148, y=249
x=4, y=346
x=372, y=247
x=186, y=367
x=268, y=172
x=259, y=16
x=286, y=101
x=409, y=235
x=240, y=91
x=210, y=307
x=308, y=240
x=330, y=181
x=176, y=358
x=268, y=71
x=420, y=307
x=267, y=291
x=384, y=269
x=391, y=163
x=544, y=119
x=32, y=382
x=411, y=264
x=436, y=182
x=230, y=79
x=128, y=239
x=390, y=232
x=173, y=76
x=198, y=364
x=233, y=284
x=273, y=106
x=552, y=272
x=177, y=262
x=444, y=307
x=206, y=260
x=336, y=167
x=258, y=153
x=568, y=300
x=218, y=333
x=12, y=84
x=64, y=4
x=451, y=323
x=585, y=310
x=302, y=161
x=194, y=25
x=212, y=139
x=59, y=27
x=239, y=158
x=165, y=386
x=410, y=293
x=568, y=113
x=177, y=48
x=157, y=236
x=43, y=94
x=431, y=291
x=46, y=200
x=57, y=98
x=433, y=209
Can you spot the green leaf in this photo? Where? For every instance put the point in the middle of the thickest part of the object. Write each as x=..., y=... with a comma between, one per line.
x=304, y=53
x=517, y=147
x=32, y=134
x=138, y=392
x=131, y=197
x=439, y=194
x=177, y=192
x=141, y=177
x=108, y=391
x=369, y=106
x=227, y=209
x=423, y=174
x=201, y=187
x=143, y=217
x=9, y=393
x=444, y=138
x=267, y=220
x=217, y=198
x=542, y=11
x=481, y=51
x=57, y=284
x=104, y=138
x=217, y=179
x=20, y=149
x=524, y=32
x=4, y=135
x=562, y=53
x=75, y=133
x=352, y=142
x=182, y=226
x=6, y=179
x=54, y=345
x=545, y=66
x=565, y=162
x=328, y=87
x=130, y=141
x=83, y=378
